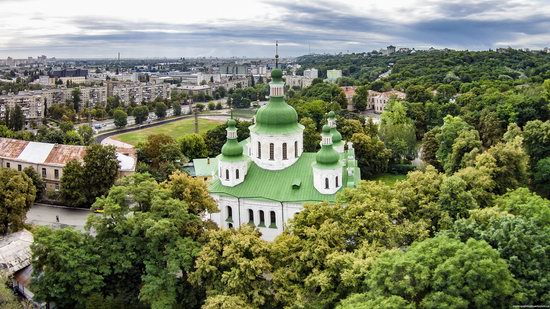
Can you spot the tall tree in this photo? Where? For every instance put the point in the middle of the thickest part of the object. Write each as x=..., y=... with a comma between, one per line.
x=100, y=170
x=73, y=184
x=312, y=138
x=141, y=113
x=17, y=193
x=372, y=156
x=76, y=100
x=120, y=118
x=193, y=146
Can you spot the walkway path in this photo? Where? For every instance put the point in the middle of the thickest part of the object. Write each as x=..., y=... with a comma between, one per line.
x=42, y=214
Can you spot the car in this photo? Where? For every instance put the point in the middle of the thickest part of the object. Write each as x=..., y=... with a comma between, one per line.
x=99, y=211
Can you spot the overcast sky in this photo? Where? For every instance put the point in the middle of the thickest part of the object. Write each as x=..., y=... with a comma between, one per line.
x=184, y=28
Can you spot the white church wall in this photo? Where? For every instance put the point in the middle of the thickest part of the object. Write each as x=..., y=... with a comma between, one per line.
x=334, y=177
x=230, y=169
x=278, y=163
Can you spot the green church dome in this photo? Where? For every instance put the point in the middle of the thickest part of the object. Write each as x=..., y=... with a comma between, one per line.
x=277, y=74
x=336, y=136
x=327, y=155
x=276, y=113
x=331, y=114
x=232, y=148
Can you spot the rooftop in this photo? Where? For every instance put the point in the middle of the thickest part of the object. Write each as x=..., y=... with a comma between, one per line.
x=278, y=185
x=15, y=251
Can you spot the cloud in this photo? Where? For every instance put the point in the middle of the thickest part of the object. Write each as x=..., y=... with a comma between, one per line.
x=326, y=26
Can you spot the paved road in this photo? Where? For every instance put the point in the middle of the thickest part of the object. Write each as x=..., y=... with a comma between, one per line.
x=41, y=214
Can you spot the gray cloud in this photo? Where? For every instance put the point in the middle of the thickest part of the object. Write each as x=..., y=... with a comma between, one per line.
x=326, y=26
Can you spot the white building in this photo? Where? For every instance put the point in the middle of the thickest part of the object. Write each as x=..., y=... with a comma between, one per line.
x=266, y=179
x=333, y=75
x=379, y=100
x=311, y=73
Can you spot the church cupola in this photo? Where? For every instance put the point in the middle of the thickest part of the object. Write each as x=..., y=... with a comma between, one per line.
x=276, y=138
x=337, y=142
x=233, y=165
x=327, y=169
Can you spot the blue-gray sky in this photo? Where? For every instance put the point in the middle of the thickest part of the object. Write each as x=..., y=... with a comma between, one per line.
x=184, y=28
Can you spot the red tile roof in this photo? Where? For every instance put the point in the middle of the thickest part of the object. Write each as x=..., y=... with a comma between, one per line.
x=11, y=148
x=62, y=154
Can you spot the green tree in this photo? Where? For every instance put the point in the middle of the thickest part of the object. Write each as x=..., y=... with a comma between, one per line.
x=87, y=134
x=397, y=131
x=17, y=119
x=536, y=135
x=160, y=109
x=17, y=193
x=120, y=118
x=100, y=170
x=73, y=184
x=464, y=150
x=220, y=301
x=417, y=93
x=360, y=99
x=451, y=129
x=541, y=177
x=312, y=138
x=176, y=107
x=192, y=191
x=371, y=154
x=8, y=299
x=76, y=100
x=193, y=146
x=141, y=113
x=37, y=181
x=430, y=147
x=348, y=127
x=234, y=262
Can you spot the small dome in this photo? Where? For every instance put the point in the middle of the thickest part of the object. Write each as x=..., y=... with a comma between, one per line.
x=327, y=156
x=277, y=74
x=331, y=114
x=232, y=148
x=326, y=129
x=336, y=136
x=231, y=123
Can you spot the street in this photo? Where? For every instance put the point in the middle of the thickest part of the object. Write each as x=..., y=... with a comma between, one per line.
x=40, y=214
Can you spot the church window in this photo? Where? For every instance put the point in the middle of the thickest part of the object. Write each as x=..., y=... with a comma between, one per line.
x=326, y=183
x=226, y=174
x=230, y=225
x=259, y=150
x=284, y=152
x=337, y=185
x=262, y=219
x=250, y=217
x=273, y=220
x=229, y=214
x=237, y=174
x=271, y=151
x=296, y=149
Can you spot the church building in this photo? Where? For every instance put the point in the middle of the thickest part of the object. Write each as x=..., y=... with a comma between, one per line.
x=266, y=179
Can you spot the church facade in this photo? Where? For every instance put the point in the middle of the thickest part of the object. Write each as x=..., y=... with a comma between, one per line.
x=266, y=179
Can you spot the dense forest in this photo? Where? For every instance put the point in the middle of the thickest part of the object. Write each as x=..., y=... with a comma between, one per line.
x=469, y=228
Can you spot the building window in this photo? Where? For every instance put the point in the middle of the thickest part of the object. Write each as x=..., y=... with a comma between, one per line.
x=250, y=217
x=56, y=187
x=337, y=185
x=56, y=174
x=237, y=174
x=19, y=167
x=230, y=225
x=44, y=173
x=229, y=214
x=273, y=220
x=326, y=183
x=226, y=174
x=259, y=150
x=296, y=149
x=271, y=151
x=262, y=219
x=7, y=164
x=284, y=152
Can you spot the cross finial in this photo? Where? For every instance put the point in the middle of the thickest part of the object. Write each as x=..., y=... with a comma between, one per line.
x=276, y=54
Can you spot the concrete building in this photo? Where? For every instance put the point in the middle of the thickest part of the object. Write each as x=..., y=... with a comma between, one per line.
x=192, y=90
x=48, y=160
x=295, y=81
x=266, y=179
x=135, y=92
x=311, y=73
x=333, y=75
x=349, y=92
x=379, y=100
x=32, y=104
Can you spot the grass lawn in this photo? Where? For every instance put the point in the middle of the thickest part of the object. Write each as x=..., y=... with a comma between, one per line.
x=244, y=113
x=390, y=179
x=174, y=129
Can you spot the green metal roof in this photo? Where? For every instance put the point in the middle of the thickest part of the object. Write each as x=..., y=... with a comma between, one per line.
x=282, y=185
x=276, y=114
x=203, y=168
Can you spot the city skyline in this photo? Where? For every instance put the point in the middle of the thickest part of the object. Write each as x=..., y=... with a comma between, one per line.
x=101, y=29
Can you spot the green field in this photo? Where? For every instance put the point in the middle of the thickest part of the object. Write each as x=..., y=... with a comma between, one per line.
x=390, y=179
x=174, y=129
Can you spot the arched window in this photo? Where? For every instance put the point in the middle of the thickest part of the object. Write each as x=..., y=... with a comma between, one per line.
x=271, y=151
x=226, y=174
x=250, y=216
x=262, y=219
x=273, y=220
x=259, y=150
x=296, y=149
x=284, y=152
x=230, y=225
x=237, y=174
x=326, y=183
x=337, y=185
x=229, y=213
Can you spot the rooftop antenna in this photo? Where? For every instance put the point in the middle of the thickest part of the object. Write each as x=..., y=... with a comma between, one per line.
x=276, y=54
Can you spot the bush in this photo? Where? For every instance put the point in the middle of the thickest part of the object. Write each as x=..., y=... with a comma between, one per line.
x=199, y=106
x=211, y=105
x=402, y=169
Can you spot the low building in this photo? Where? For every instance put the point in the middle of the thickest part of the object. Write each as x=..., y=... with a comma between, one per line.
x=378, y=100
x=48, y=160
x=204, y=168
x=333, y=75
x=311, y=73
x=349, y=92
x=294, y=81
x=192, y=90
